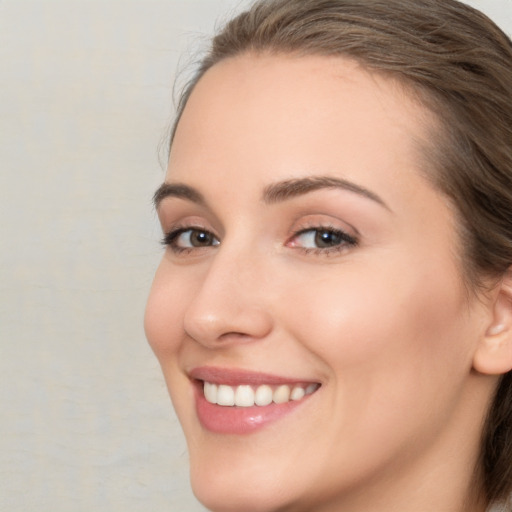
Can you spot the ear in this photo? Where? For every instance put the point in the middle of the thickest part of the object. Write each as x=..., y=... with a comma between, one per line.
x=493, y=355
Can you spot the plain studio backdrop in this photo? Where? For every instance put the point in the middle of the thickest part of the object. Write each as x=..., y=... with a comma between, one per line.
x=85, y=103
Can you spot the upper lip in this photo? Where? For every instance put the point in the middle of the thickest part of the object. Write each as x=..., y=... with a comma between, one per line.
x=236, y=377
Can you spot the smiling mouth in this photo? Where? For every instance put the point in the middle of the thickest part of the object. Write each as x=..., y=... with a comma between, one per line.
x=237, y=401
x=246, y=395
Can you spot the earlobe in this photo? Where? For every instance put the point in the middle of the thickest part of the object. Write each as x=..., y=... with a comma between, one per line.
x=493, y=355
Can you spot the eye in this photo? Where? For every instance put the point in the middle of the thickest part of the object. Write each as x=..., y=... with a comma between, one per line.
x=189, y=239
x=322, y=239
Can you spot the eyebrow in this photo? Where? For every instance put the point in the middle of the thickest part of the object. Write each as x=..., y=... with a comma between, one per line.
x=177, y=190
x=274, y=193
x=289, y=189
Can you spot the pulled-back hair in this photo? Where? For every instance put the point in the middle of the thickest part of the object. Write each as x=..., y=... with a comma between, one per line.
x=457, y=63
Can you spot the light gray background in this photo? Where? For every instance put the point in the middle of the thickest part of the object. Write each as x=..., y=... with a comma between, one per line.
x=85, y=100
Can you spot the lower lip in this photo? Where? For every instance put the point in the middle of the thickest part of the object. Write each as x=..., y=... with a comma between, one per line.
x=239, y=420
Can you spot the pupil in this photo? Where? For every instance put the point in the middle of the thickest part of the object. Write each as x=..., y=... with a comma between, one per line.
x=200, y=238
x=326, y=239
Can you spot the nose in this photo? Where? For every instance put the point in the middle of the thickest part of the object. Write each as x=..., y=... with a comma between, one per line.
x=230, y=303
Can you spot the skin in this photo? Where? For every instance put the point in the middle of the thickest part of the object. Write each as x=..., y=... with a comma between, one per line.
x=386, y=326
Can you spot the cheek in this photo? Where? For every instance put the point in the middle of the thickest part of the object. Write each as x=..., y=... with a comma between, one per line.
x=163, y=324
x=396, y=351
x=163, y=315
x=387, y=330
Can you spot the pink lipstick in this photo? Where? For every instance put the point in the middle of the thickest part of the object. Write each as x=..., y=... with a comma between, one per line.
x=232, y=401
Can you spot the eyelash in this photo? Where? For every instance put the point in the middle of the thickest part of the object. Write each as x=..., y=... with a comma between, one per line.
x=346, y=241
x=170, y=238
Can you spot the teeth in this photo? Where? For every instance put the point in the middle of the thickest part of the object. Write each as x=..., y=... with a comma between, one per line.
x=297, y=393
x=244, y=396
x=210, y=392
x=247, y=396
x=263, y=395
x=312, y=388
x=282, y=394
x=225, y=395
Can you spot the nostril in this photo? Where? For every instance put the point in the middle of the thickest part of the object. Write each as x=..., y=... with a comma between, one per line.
x=213, y=322
x=233, y=335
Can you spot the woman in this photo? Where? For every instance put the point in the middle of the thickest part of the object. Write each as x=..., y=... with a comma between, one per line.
x=333, y=312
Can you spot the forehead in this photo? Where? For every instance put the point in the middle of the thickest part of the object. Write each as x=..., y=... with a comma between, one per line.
x=281, y=114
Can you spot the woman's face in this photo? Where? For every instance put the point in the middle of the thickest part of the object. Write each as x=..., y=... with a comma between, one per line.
x=308, y=256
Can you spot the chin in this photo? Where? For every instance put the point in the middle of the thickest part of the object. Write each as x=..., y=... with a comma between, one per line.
x=238, y=491
x=246, y=497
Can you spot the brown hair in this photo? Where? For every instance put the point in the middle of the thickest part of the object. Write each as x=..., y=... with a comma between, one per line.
x=459, y=64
